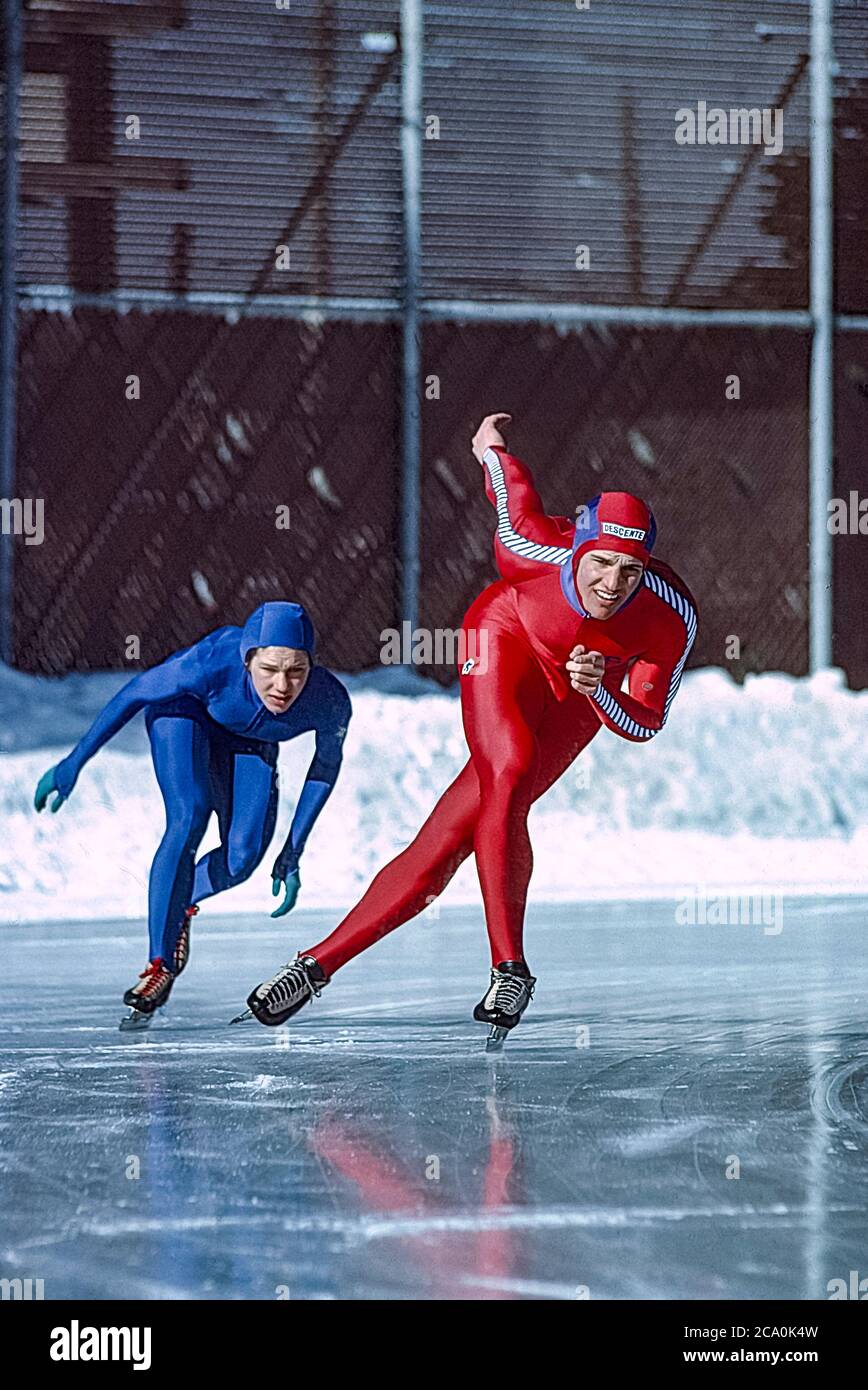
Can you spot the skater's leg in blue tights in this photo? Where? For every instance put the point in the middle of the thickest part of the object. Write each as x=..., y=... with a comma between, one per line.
x=179, y=747
x=244, y=792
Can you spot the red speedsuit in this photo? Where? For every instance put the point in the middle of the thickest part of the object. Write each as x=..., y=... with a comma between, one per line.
x=524, y=722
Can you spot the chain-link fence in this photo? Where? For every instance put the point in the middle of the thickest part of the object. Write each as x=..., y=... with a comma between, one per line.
x=242, y=481
x=210, y=284
x=631, y=410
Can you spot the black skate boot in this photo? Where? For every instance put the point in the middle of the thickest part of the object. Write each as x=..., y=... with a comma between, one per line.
x=150, y=994
x=276, y=1000
x=181, y=953
x=508, y=995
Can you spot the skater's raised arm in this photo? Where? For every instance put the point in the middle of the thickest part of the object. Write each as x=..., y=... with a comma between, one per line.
x=528, y=541
x=319, y=783
x=180, y=674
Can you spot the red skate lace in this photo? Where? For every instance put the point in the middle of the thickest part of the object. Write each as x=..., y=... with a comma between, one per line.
x=182, y=945
x=154, y=968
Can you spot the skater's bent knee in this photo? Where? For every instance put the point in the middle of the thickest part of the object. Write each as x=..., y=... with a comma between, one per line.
x=188, y=825
x=242, y=857
x=506, y=778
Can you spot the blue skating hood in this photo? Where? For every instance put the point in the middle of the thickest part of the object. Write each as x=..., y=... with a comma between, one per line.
x=278, y=625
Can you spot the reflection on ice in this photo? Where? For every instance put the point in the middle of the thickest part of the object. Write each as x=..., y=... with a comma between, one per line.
x=708, y=1141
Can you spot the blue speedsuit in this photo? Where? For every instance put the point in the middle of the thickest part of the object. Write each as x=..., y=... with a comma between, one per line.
x=214, y=747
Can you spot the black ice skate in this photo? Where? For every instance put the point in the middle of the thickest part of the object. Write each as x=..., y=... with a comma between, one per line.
x=273, y=1002
x=508, y=995
x=150, y=994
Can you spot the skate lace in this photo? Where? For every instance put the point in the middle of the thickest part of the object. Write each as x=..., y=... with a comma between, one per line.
x=508, y=993
x=287, y=983
x=152, y=972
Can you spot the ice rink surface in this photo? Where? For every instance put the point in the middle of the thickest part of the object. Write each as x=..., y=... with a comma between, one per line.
x=682, y=1114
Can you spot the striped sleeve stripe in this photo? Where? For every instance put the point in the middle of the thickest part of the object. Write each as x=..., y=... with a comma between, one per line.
x=531, y=550
x=618, y=715
x=687, y=612
x=609, y=703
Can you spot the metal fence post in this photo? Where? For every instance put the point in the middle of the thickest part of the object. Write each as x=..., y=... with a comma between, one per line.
x=822, y=441
x=411, y=444
x=13, y=64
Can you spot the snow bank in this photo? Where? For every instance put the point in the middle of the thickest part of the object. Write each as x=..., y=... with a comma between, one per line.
x=759, y=786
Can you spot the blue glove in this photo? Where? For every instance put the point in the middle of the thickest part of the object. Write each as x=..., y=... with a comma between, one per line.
x=291, y=884
x=47, y=785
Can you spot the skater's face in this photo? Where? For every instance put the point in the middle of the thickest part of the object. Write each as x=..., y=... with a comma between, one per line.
x=279, y=675
x=605, y=580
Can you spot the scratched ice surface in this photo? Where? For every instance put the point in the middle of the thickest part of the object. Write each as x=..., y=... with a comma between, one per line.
x=371, y=1148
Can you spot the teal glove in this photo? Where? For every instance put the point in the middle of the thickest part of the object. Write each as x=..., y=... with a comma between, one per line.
x=47, y=785
x=291, y=884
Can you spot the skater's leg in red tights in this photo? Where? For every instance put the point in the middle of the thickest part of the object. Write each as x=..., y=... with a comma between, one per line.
x=420, y=872
x=503, y=706
x=409, y=882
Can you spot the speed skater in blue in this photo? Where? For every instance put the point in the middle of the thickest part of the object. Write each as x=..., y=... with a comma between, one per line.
x=215, y=713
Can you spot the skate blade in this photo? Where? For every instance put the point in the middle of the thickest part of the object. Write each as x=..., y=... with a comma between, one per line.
x=248, y=1013
x=135, y=1021
x=496, y=1038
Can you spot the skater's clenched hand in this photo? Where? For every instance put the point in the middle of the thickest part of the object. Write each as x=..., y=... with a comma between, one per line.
x=289, y=886
x=586, y=669
x=490, y=432
x=47, y=785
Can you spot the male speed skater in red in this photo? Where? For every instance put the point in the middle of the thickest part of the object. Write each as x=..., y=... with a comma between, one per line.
x=580, y=607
